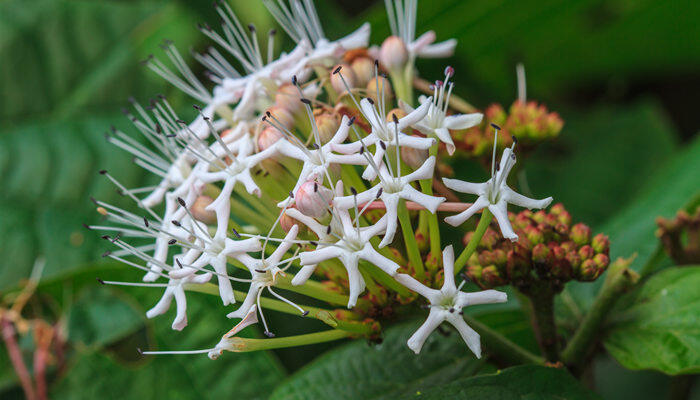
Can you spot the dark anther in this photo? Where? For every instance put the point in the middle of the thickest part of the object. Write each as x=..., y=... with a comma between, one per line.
x=315, y=187
x=379, y=192
x=291, y=194
x=353, y=191
x=145, y=221
x=106, y=237
x=103, y=171
x=382, y=145
x=251, y=27
x=106, y=254
x=395, y=118
x=235, y=232
x=171, y=242
x=337, y=69
x=351, y=121
x=370, y=101
x=269, y=334
x=100, y=280
x=328, y=230
x=494, y=126
x=181, y=201
x=305, y=313
x=176, y=223
x=272, y=32
x=294, y=79
x=305, y=101
x=86, y=226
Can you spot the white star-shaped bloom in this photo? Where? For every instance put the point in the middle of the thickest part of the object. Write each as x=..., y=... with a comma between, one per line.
x=352, y=246
x=446, y=304
x=390, y=190
x=385, y=133
x=436, y=122
x=494, y=194
x=318, y=159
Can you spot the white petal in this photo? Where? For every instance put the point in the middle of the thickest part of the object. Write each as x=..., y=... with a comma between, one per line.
x=462, y=121
x=458, y=219
x=369, y=254
x=469, y=335
x=483, y=297
x=512, y=197
x=448, y=264
x=416, y=115
x=416, y=341
x=465, y=187
x=412, y=284
x=438, y=50
x=499, y=211
x=303, y=275
x=444, y=135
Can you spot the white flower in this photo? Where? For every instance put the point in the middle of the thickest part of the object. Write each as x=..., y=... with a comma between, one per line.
x=264, y=271
x=402, y=20
x=494, y=194
x=436, y=121
x=386, y=132
x=352, y=246
x=390, y=190
x=446, y=305
x=226, y=342
x=302, y=24
x=318, y=159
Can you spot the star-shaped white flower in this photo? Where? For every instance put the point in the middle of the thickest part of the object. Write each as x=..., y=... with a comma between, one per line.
x=436, y=122
x=385, y=133
x=495, y=195
x=352, y=246
x=390, y=190
x=446, y=304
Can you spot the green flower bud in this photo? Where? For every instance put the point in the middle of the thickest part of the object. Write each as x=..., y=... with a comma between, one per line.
x=569, y=246
x=600, y=243
x=534, y=235
x=588, y=271
x=574, y=259
x=485, y=258
x=541, y=254
x=580, y=234
x=500, y=258
x=601, y=261
x=586, y=252
x=518, y=264
x=490, y=277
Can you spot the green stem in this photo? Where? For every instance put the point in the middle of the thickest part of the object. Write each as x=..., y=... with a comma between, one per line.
x=544, y=325
x=501, y=346
x=433, y=226
x=484, y=222
x=410, y=240
x=312, y=289
x=619, y=279
x=239, y=344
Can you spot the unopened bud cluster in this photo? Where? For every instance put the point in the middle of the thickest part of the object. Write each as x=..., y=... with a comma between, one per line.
x=549, y=248
x=529, y=123
x=680, y=236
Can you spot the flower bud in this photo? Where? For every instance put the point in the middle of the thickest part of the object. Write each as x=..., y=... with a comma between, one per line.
x=287, y=97
x=379, y=85
x=312, y=199
x=282, y=116
x=601, y=243
x=541, y=254
x=414, y=158
x=393, y=53
x=363, y=68
x=490, y=239
x=500, y=257
x=539, y=216
x=580, y=234
x=562, y=269
x=601, y=261
x=490, y=277
x=574, y=259
x=586, y=252
x=268, y=136
x=474, y=272
x=533, y=235
x=485, y=258
x=518, y=266
x=568, y=246
x=198, y=210
x=347, y=73
x=287, y=222
x=588, y=271
x=327, y=124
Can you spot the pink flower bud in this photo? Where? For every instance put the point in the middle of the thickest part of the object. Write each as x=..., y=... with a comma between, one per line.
x=363, y=68
x=312, y=199
x=268, y=137
x=393, y=54
x=281, y=116
x=287, y=222
x=287, y=97
x=199, y=211
x=327, y=124
x=347, y=73
x=379, y=85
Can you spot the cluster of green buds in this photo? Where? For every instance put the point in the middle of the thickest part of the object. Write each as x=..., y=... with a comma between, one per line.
x=549, y=249
x=680, y=236
x=528, y=122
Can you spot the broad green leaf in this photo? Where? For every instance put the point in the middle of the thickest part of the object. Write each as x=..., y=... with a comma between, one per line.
x=61, y=57
x=523, y=382
x=240, y=375
x=658, y=326
x=362, y=371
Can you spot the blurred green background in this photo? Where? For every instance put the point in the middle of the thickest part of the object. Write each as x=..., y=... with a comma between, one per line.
x=624, y=75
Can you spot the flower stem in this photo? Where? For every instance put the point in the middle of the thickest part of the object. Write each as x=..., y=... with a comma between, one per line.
x=433, y=226
x=544, y=325
x=410, y=240
x=502, y=347
x=239, y=344
x=619, y=278
x=312, y=289
x=484, y=222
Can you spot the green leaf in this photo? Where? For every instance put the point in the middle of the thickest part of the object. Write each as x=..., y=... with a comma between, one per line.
x=522, y=382
x=658, y=325
x=101, y=374
x=361, y=371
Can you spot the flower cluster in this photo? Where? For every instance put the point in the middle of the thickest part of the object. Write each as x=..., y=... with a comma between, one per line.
x=680, y=236
x=528, y=122
x=307, y=165
x=549, y=249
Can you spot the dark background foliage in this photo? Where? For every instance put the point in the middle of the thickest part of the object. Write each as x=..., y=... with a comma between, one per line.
x=623, y=74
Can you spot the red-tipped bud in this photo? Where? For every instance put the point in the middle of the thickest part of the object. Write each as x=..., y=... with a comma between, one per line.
x=312, y=199
x=198, y=210
x=586, y=252
x=601, y=261
x=569, y=246
x=533, y=235
x=541, y=254
x=490, y=277
x=588, y=271
x=518, y=266
x=601, y=243
x=393, y=53
x=580, y=234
